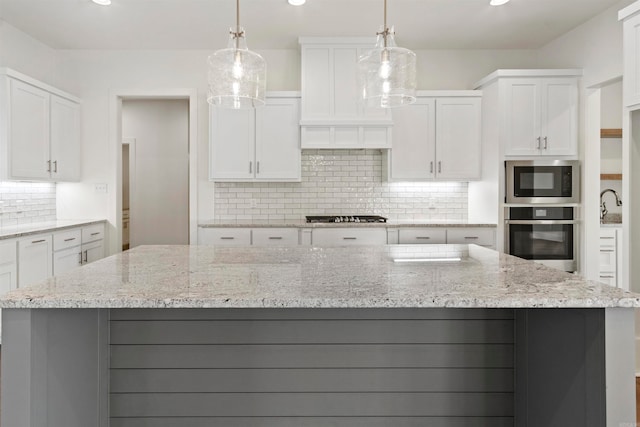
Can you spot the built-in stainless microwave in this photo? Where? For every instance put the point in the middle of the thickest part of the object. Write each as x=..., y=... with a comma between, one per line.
x=542, y=181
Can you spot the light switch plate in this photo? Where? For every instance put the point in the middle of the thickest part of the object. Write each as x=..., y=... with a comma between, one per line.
x=100, y=188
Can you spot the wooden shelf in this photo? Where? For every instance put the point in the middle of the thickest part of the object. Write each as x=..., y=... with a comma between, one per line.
x=611, y=176
x=610, y=133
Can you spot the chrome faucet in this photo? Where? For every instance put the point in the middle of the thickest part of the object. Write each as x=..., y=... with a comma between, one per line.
x=603, y=205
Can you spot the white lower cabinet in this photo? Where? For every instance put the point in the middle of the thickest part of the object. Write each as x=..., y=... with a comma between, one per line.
x=92, y=243
x=274, y=236
x=472, y=235
x=35, y=259
x=610, y=259
x=422, y=235
x=66, y=259
x=349, y=236
x=224, y=236
x=8, y=266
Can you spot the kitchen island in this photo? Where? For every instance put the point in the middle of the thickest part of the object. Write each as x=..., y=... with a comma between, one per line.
x=401, y=335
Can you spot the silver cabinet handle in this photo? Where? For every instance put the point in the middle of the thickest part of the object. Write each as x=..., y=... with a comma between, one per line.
x=55, y=166
x=227, y=238
x=39, y=241
x=95, y=234
x=538, y=145
x=607, y=277
x=471, y=237
x=545, y=142
x=258, y=167
x=70, y=239
x=86, y=256
x=607, y=250
x=349, y=238
x=431, y=167
x=439, y=167
x=606, y=237
x=48, y=165
x=275, y=238
x=250, y=167
x=423, y=237
x=80, y=260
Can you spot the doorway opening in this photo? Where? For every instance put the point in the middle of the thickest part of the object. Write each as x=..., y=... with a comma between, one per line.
x=155, y=172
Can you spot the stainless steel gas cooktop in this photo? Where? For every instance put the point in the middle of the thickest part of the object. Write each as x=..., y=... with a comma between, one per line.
x=345, y=218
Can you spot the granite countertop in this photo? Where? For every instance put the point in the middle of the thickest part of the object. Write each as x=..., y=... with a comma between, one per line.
x=390, y=224
x=43, y=227
x=313, y=277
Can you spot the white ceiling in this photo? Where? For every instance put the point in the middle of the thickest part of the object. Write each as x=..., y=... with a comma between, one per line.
x=273, y=24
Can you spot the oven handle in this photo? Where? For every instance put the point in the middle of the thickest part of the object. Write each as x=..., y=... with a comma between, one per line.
x=540, y=222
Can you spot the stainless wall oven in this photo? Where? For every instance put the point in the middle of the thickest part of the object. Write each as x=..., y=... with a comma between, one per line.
x=546, y=234
x=542, y=181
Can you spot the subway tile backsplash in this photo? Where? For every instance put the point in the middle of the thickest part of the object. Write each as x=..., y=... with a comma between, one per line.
x=340, y=182
x=27, y=203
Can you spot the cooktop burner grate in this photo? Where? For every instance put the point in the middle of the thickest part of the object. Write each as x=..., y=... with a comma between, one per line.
x=344, y=218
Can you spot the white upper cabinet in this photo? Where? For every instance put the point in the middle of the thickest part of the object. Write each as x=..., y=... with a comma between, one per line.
x=278, y=140
x=232, y=144
x=39, y=130
x=541, y=117
x=458, y=138
x=437, y=138
x=631, y=36
x=65, y=139
x=28, y=130
x=332, y=114
x=261, y=144
x=413, y=154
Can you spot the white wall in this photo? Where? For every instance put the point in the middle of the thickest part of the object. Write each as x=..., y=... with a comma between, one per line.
x=29, y=56
x=160, y=198
x=595, y=46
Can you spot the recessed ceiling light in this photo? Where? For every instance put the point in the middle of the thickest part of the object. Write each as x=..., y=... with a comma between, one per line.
x=296, y=2
x=498, y=2
x=102, y=2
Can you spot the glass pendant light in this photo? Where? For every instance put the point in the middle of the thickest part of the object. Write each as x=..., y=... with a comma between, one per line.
x=388, y=72
x=237, y=76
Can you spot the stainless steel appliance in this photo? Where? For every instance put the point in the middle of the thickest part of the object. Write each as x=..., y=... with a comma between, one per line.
x=546, y=234
x=542, y=181
x=345, y=218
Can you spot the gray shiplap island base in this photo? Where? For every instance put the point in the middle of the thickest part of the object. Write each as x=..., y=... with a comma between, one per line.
x=402, y=336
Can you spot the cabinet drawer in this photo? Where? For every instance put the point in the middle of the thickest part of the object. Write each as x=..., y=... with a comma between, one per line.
x=67, y=239
x=275, y=236
x=422, y=236
x=608, y=279
x=225, y=236
x=8, y=252
x=92, y=233
x=477, y=236
x=349, y=236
